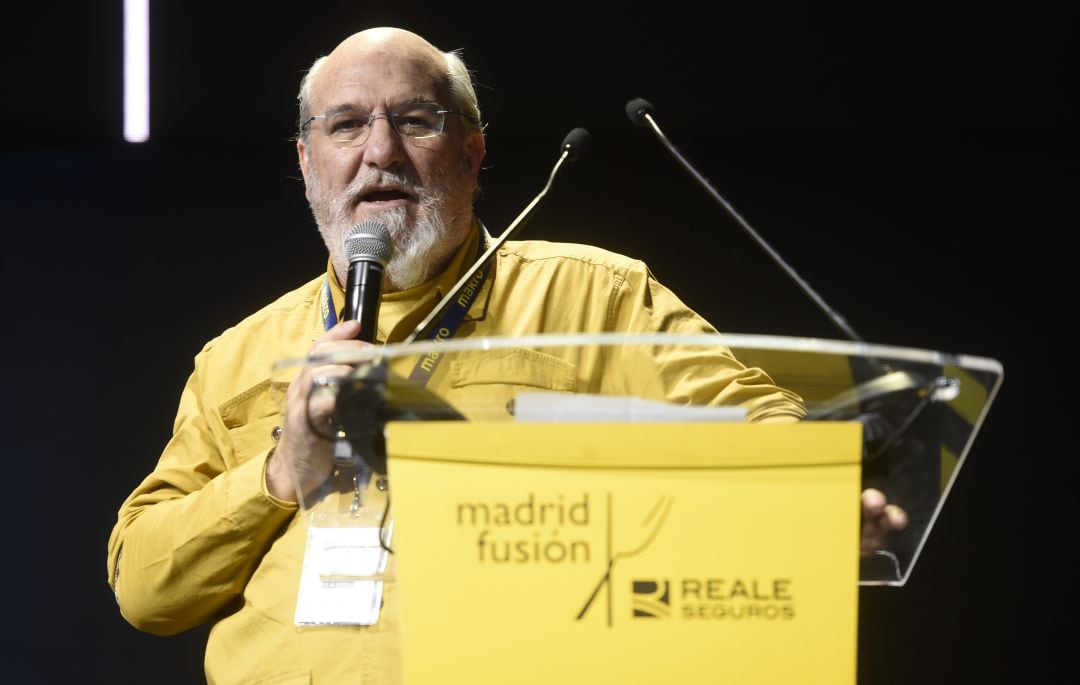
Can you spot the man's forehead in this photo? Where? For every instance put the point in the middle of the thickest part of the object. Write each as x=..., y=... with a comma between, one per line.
x=380, y=74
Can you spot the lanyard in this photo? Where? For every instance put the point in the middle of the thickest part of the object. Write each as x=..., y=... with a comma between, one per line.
x=326, y=306
x=450, y=321
x=446, y=327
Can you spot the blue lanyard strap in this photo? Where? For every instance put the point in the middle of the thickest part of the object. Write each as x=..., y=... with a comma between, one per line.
x=329, y=316
x=450, y=321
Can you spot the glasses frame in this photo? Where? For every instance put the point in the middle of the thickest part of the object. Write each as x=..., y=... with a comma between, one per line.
x=392, y=118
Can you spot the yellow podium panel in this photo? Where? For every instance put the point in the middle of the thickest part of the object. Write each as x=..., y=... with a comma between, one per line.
x=626, y=553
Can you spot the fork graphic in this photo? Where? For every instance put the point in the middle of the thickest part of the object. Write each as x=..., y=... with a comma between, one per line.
x=652, y=524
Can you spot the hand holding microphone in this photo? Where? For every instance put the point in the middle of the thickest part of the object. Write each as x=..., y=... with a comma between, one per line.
x=368, y=246
x=302, y=461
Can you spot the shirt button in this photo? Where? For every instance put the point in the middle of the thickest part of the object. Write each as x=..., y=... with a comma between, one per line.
x=276, y=433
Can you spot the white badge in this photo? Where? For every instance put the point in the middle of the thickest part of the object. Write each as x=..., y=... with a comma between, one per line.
x=342, y=578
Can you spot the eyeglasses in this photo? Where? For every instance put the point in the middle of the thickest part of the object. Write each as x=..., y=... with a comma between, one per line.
x=411, y=120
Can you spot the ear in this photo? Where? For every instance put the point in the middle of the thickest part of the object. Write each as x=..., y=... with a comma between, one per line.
x=474, y=152
x=301, y=154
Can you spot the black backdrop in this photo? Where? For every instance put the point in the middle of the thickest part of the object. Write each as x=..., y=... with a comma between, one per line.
x=918, y=166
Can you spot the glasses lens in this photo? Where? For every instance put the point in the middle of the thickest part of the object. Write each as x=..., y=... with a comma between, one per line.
x=347, y=127
x=418, y=120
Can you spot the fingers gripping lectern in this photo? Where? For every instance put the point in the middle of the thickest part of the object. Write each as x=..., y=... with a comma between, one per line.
x=642, y=509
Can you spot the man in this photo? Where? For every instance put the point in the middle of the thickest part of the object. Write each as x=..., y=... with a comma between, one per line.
x=390, y=129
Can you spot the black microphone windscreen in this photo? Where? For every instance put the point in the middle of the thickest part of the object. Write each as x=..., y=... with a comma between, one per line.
x=637, y=109
x=574, y=143
x=369, y=240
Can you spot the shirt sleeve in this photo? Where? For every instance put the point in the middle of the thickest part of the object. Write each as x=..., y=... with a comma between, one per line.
x=189, y=537
x=699, y=375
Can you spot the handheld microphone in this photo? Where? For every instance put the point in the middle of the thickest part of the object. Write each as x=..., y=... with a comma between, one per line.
x=641, y=112
x=573, y=146
x=369, y=247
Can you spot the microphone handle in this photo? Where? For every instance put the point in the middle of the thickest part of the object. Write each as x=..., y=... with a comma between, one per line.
x=363, y=290
x=362, y=294
x=835, y=316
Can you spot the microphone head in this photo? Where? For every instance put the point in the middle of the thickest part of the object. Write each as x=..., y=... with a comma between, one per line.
x=574, y=143
x=637, y=109
x=369, y=241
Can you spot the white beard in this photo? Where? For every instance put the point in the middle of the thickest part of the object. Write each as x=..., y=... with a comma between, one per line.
x=420, y=245
x=417, y=248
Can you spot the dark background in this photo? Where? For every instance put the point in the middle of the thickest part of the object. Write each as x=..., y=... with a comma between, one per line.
x=916, y=165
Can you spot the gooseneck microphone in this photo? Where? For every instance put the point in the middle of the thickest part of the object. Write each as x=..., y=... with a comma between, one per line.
x=573, y=146
x=887, y=404
x=369, y=247
x=641, y=112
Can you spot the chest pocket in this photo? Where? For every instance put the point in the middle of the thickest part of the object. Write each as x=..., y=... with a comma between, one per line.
x=483, y=386
x=250, y=418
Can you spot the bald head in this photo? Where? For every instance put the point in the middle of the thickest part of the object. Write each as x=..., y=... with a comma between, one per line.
x=392, y=41
x=393, y=46
x=447, y=72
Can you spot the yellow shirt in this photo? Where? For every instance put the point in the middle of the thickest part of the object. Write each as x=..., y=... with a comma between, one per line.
x=200, y=539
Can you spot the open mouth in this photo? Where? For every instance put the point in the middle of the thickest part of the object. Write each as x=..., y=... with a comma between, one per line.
x=386, y=195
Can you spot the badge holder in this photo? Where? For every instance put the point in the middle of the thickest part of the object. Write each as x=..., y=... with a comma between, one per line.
x=348, y=561
x=348, y=558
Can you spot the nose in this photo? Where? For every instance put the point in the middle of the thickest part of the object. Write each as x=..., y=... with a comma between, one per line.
x=383, y=148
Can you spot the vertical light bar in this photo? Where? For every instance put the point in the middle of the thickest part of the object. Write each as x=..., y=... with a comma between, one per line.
x=136, y=71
